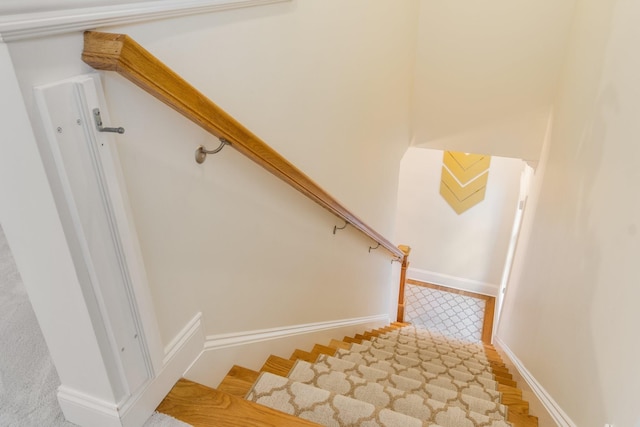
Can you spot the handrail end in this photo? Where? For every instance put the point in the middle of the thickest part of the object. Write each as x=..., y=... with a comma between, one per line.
x=406, y=250
x=102, y=51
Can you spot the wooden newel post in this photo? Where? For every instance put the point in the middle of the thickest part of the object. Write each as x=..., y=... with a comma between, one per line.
x=403, y=278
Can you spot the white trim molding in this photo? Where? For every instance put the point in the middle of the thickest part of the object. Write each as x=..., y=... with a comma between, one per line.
x=469, y=285
x=556, y=412
x=250, y=337
x=252, y=348
x=87, y=410
x=39, y=24
x=179, y=342
x=179, y=355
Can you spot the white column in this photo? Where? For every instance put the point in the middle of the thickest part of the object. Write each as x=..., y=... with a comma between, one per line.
x=33, y=228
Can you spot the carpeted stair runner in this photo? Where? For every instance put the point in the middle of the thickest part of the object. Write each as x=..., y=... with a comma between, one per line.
x=395, y=376
x=323, y=406
x=394, y=362
x=409, y=402
x=429, y=355
x=402, y=377
x=425, y=385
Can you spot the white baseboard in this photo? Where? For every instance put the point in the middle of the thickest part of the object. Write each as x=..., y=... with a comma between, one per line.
x=206, y=361
x=251, y=348
x=556, y=412
x=179, y=355
x=249, y=337
x=85, y=410
x=460, y=283
x=182, y=340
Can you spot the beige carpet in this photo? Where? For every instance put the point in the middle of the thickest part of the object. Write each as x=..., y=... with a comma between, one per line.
x=404, y=378
x=456, y=315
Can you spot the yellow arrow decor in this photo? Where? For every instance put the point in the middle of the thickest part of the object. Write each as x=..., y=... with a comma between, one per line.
x=464, y=179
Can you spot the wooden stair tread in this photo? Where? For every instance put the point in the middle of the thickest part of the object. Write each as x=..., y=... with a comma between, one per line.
x=202, y=406
x=510, y=391
x=323, y=349
x=278, y=366
x=502, y=374
x=401, y=324
x=303, y=355
x=238, y=381
x=505, y=381
x=498, y=368
x=522, y=420
x=517, y=405
x=339, y=345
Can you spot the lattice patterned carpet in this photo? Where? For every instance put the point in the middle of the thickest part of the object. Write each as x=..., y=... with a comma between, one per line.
x=451, y=314
x=406, y=377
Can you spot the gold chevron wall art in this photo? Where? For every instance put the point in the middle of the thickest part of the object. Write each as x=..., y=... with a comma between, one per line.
x=464, y=179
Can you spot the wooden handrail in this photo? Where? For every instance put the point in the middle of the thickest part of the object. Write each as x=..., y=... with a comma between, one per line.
x=120, y=53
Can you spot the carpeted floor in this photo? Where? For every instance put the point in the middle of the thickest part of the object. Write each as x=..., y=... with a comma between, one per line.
x=454, y=315
x=28, y=379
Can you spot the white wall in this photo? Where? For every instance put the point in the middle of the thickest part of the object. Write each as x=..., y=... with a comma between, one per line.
x=226, y=238
x=486, y=74
x=463, y=251
x=571, y=313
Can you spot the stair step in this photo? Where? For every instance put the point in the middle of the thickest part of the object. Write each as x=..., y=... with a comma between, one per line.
x=432, y=356
x=303, y=355
x=351, y=340
x=474, y=398
x=509, y=391
x=401, y=324
x=278, y=366
x=516, y=405
x=498, y=368
x=323, y=406
x=202, y=406
x=506, y=381
x=477, y=356
x=367, y=355
x=323, y=349
x=522, y=420
x=238, y=381
x=339, y=345
x=405, y=396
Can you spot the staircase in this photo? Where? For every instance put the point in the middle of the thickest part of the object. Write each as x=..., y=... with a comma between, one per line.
x=395, y=376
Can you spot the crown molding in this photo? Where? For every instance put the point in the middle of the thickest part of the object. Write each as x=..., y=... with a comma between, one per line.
x=42, y=24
